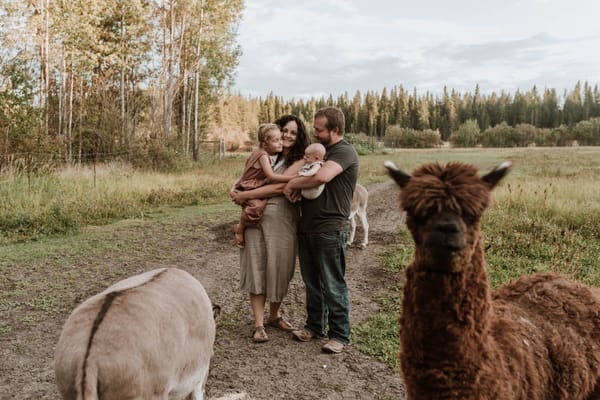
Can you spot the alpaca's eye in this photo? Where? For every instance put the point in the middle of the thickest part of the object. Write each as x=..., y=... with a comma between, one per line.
x=417, y=218
x=469, y=219
x=411, y=215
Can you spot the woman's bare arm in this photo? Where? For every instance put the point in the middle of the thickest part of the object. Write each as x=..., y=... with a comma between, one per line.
x=265, y=164
x=270, y=190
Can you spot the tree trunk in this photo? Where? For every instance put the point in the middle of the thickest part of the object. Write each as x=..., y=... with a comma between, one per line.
x=61, y=93
x=198, y=68
x=165, y=77
x=80, y=119
x=70, y=126
x=44, y=43
x=183, y=113
x=123, y=138
x=188, y=130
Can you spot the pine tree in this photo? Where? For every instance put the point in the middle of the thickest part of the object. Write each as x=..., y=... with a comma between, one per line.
x=384, y=113
x=573, y=108
x=422, y=113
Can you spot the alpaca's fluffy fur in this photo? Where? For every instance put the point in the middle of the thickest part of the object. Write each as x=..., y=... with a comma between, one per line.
x=535, y=338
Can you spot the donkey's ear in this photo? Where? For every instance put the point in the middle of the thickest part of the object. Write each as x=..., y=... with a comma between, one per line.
x=492, y=178
x=398, y=175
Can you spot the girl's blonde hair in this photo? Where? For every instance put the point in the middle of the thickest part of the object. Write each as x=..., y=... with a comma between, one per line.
x=263, y=131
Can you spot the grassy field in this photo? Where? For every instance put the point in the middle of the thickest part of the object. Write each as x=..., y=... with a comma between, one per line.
x=544, y=217
x=556, y=179
x=65, y=201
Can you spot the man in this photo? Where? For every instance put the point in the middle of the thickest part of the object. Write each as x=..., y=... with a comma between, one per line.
x=323, y=232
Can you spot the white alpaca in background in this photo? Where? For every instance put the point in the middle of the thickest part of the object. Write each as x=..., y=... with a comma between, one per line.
x=359, y=207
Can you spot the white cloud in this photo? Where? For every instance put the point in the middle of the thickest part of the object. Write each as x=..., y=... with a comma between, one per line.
x=327, y=47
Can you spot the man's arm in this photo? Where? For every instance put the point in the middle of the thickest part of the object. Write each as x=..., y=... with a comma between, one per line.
x=328, y=171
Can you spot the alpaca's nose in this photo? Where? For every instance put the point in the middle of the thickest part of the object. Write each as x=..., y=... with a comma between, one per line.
x=447, y=224
x=445, y=232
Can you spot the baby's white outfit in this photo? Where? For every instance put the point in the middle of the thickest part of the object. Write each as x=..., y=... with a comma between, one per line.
x=309, y=170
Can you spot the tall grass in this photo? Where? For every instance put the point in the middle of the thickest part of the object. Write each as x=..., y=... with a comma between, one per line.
x=544, y=217
x=59, y=202
x=65, y=200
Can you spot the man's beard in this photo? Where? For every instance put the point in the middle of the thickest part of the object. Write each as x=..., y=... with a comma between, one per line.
x=325, y=141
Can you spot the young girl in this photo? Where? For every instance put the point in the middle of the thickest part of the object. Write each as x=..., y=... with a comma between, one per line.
x=258, y=172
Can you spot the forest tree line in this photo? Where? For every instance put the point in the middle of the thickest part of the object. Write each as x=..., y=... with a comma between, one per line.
x=373, y=113
x=138, y=79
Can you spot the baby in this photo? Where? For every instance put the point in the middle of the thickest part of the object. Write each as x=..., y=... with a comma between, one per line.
x=313, y=155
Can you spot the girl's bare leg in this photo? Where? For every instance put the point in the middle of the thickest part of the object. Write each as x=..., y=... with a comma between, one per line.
x=238, y=231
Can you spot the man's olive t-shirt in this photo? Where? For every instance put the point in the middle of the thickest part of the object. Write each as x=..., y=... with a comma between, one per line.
x=330, y=211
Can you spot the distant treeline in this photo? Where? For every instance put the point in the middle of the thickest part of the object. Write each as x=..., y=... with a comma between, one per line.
x=373, y=113
x=394, y=118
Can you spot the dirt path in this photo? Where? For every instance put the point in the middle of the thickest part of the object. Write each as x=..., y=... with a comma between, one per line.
x=279, y=369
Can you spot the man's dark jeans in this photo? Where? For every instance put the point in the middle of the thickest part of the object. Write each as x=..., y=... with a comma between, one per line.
x=323, y=265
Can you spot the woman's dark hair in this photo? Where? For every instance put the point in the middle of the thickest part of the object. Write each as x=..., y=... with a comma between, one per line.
x=302, y=141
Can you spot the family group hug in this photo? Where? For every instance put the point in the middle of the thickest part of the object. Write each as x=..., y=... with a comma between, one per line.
x=296, y=199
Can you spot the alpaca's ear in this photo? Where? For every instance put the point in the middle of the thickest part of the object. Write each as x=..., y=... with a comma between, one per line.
x=399, y=176
x=496, y=175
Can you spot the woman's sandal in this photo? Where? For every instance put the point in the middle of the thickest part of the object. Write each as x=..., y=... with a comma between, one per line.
x=281, y=323
x=259, y=335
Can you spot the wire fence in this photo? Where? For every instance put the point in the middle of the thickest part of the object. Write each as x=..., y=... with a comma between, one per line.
x=35, y=162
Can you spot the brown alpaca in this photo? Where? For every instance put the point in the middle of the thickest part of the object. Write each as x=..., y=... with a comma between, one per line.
x=535, y=338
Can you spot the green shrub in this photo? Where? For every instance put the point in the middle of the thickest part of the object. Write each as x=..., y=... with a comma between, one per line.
x=562, y=136
x=587, y=133
x=396, y=136
x=543, y=137
x=467, y=135
x=496, y=136
x=153, y=155
x=524, y=135
x=363, y=143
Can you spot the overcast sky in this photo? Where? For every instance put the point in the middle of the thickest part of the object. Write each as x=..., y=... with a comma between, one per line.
x=320, y=47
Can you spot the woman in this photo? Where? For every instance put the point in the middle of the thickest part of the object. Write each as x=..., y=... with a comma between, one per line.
x=269, y=257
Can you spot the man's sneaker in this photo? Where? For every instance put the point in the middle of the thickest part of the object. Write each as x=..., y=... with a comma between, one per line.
x=333, y=346
x=304, y=334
